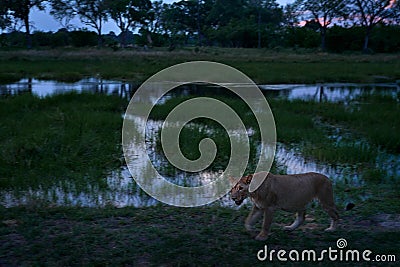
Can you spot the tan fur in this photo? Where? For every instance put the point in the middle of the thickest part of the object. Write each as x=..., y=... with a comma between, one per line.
x=286, y=192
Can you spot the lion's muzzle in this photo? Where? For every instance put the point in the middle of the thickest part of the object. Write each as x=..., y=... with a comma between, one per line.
x=237, y=201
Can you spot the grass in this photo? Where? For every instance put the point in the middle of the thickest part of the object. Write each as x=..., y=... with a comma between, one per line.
x=302, y=124
x=380, y=128
x=297, y=126
x=371, y=121
x=189, y=140
x=373, y=117
x=70, y=137
x=201, y=128
x=74, y=138
x=312, y=127
x=263, y=66
x=168, y=236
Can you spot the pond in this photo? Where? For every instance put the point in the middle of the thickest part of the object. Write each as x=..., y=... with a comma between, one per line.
x=44, y=88
x=122, y=190
x=332, y=92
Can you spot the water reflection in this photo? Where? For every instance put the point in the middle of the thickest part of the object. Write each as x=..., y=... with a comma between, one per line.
x=333, y=92
x=121, y=192
x=294, y=163
x=329, y=92
x=93, y=85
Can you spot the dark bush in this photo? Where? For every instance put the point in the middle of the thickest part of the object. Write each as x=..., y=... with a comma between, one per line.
x=302, y=37
x=83, y=38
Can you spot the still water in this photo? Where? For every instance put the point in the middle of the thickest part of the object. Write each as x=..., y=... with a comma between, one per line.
x=332, y=92
x=123, y=191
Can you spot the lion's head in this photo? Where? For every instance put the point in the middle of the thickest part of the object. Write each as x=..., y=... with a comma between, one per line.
x=241, y=189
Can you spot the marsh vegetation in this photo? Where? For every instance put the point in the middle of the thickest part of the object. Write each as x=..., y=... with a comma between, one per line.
x=263, y=66
x=71, y=140
x=63, y=180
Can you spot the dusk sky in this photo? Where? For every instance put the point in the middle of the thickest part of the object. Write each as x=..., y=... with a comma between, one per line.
x=42, y=21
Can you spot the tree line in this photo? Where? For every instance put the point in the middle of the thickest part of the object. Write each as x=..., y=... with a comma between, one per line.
x=335, y=25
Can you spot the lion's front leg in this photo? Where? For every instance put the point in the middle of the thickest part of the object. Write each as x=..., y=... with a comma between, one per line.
x=268, y=214
x=252, y=218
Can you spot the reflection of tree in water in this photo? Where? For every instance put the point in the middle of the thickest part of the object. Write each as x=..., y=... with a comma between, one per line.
x=124, y=90
x=320, y=94
x=17, y=88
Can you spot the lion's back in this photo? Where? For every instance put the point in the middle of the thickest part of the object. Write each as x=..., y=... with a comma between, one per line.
x=293, y=191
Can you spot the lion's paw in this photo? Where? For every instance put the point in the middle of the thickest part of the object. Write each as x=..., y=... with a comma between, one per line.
x=248, y=227
x=288, y=228
x=261, y=237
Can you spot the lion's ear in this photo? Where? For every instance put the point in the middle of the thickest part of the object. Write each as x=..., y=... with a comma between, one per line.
x=247, y=179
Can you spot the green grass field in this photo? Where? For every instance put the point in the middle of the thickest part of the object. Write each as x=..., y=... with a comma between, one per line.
x=263, y=66
x=71, y=137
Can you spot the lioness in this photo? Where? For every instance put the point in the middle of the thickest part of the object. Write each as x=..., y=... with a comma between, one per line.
x=287, y=192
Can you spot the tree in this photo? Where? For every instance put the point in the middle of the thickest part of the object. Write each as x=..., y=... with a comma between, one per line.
x=152, y=31
x=63, y=12
x=267, y=12
x=5, y=19
x=128, y=14
x=194, y=14
x=154, y=23
x=223, y=11
x=245, y=22
x=187, y=19
x=20, y=10
x=290, y=15
x=92, y=13
x=369, y=13
x=179, y=20
x=155, y=20
x=323, y=12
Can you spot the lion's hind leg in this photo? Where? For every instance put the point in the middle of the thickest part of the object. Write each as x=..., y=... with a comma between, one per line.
x=332, y=212
x=325, y=197
x=299, y=221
